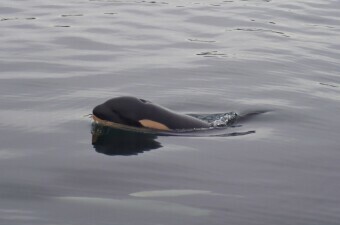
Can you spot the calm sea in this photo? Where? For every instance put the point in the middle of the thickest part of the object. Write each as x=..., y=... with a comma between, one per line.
x=59, y=59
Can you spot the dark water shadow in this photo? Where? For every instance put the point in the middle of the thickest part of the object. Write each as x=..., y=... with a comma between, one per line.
x=111, y=141
x=120, y=142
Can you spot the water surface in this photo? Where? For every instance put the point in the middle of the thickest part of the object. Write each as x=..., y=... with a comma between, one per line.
x=59, y=59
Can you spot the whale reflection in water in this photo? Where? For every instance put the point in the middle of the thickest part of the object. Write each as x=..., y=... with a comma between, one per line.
x=111, y=141
x=114, y=141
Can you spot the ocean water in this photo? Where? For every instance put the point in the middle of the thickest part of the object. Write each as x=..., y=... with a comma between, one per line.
x=59, y=59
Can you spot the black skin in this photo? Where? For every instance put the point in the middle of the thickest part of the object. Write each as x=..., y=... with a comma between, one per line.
x=129, y=110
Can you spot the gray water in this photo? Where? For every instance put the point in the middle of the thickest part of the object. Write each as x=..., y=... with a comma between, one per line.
x=59, y=59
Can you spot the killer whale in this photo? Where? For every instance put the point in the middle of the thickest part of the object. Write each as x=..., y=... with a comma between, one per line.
x=140, y=113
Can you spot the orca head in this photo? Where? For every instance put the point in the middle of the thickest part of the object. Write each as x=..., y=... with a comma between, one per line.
x=122, y=110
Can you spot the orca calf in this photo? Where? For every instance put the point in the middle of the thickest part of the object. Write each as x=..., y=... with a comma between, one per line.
x=140, y=113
